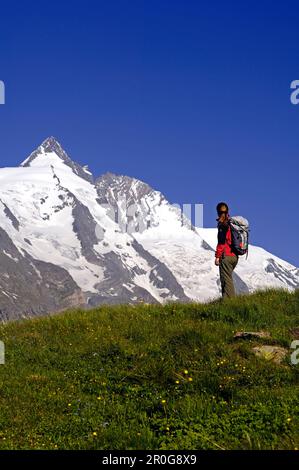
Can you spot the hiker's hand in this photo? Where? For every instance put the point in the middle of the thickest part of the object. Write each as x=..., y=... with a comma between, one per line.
x=217, y=261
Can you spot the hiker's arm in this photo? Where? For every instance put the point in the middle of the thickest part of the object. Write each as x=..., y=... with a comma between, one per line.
x=221, y=241
x=219, y=250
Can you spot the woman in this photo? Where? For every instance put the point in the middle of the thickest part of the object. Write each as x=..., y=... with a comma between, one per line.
x=225, y=258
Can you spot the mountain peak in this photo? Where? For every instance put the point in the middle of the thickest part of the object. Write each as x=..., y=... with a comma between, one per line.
x=50, y=140
x=51, y=145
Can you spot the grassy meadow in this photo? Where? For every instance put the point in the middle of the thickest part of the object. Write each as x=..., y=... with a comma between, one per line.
x=152, y=377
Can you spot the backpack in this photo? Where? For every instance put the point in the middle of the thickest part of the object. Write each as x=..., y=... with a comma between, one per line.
x=239, y=234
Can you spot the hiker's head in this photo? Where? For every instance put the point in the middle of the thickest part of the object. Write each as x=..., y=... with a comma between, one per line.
x=222, y=211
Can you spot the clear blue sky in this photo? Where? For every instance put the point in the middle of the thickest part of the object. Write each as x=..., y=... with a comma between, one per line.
x=192, y=97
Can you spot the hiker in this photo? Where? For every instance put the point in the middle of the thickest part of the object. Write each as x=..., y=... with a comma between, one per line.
x=225, y=256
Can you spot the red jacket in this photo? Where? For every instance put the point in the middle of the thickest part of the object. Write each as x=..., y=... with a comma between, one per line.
x=224, y=241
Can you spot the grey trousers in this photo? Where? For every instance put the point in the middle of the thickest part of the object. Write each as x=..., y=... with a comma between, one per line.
x=226, y=267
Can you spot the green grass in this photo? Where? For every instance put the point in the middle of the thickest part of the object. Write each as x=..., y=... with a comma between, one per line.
x=107, y=378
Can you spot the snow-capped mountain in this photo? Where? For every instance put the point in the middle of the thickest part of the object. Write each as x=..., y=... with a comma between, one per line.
x=188, y=251
x=67, y=239
x=165, y=233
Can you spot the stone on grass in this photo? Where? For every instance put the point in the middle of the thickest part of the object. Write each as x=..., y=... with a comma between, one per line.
x=271, y=353
x=252, y=334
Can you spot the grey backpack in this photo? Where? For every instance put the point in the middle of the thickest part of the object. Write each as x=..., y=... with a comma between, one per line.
x=240, y=234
